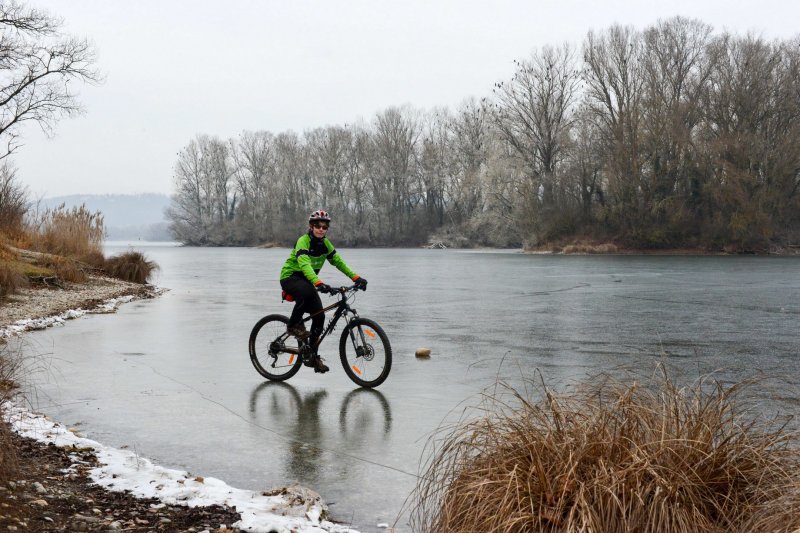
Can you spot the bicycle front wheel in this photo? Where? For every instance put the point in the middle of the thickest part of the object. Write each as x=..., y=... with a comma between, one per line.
x=273, y=352
x=365, y=352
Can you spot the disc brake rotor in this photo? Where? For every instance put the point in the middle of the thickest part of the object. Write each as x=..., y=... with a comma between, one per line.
x=366, y=351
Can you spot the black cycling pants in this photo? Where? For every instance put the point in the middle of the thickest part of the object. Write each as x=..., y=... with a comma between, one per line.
x=306, y=300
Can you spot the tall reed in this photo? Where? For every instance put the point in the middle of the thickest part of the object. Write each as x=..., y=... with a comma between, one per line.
x=75, y=233
x=612, y=456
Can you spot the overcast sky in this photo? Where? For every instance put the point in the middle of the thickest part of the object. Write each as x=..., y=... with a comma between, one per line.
x=175, y=69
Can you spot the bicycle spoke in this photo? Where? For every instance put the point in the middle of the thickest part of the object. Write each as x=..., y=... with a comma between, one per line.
x=273, y=352
x=365, y=353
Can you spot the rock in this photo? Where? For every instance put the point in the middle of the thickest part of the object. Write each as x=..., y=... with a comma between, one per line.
x=423, y=352
x=39, y=503
x=38, y=487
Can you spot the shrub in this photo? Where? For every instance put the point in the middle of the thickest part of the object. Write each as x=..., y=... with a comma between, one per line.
x=130, y=266
x=613, y=457
x=11, y=280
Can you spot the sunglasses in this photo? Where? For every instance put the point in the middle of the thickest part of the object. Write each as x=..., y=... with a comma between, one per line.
x=320, y=226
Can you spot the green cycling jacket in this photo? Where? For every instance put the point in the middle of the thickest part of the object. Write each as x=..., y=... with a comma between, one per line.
x=308, y=256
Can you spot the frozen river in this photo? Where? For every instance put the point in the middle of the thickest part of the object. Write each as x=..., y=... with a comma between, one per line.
x=171, y=377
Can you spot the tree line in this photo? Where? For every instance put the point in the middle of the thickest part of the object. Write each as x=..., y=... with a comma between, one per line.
x=665, y=137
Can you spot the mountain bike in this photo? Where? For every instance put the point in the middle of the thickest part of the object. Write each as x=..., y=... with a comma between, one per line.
x=364, y=348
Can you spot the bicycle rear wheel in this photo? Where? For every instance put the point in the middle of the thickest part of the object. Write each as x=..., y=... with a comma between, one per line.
x=365, y=352
x=273, y=352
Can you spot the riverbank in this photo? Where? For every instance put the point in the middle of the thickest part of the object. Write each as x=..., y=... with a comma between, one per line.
x=60, y=481
x=42, y=306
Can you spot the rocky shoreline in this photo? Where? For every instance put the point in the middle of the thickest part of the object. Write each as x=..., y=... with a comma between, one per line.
x=52, y=492
x=43, y=303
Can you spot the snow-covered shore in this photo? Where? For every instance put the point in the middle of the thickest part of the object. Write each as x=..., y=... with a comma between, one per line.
x=39, y=308
x=283, y=510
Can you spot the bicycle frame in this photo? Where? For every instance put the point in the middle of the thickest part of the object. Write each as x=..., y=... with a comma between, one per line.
x=342, y=309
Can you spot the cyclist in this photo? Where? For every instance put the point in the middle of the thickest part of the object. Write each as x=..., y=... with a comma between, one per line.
x=299, y=279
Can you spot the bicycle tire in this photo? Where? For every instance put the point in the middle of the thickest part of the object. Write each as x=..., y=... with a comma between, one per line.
x=267, y=330
x=359, y=367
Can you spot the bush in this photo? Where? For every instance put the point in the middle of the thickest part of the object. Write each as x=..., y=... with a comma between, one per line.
x=11, y=280
x=613, y=457
x=130, y=266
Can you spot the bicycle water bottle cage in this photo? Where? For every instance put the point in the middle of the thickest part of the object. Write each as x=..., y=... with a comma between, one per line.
x=286, y=297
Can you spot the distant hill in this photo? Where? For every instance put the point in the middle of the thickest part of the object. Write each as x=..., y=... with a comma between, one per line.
x=126, y=216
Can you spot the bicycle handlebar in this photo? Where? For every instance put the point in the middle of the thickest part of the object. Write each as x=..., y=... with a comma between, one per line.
x=343, y=289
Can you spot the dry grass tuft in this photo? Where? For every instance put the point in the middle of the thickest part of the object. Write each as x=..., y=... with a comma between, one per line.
x=64, y=268
x=94, y=260
x=130, y=266
x=613, y=457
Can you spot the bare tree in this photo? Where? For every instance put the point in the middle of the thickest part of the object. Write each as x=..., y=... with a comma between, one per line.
x=37, y=64
x=329, y=150
x=254, y=170
x=614, y=80
x=397, y=132
x=470, y=147
x=435, y=166
x=203, y=207
x=533, y=115
x=13, y=199
x=752, y=139
x=677, y=68
x=360, y=161
x=585, y=161
x=188, y=212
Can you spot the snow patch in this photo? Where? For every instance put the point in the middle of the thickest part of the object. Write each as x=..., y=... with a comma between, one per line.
x=29, y=324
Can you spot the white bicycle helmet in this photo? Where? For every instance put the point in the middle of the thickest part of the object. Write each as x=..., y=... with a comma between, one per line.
x=319, y=215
